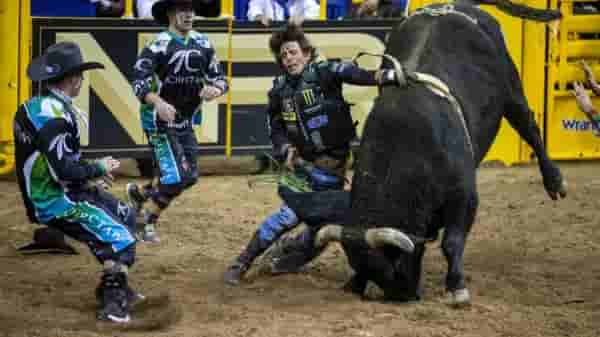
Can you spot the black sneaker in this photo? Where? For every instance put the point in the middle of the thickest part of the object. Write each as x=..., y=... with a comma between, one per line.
x=134, y=297
x=113, y=296
x=135, y=196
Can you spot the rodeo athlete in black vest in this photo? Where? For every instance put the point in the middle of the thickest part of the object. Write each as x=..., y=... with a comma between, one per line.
x=309, y=122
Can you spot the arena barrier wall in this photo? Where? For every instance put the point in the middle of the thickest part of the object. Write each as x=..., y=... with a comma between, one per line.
x=9, y=82
x=577, y=37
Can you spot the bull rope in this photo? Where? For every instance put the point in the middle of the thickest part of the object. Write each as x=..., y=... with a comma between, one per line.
x=434, y=84
x=443, y=10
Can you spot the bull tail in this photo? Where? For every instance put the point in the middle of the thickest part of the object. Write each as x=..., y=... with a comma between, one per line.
x=526, y=12
x=372, y=238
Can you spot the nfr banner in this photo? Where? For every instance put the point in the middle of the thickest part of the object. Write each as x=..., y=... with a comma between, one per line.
x=243, y=48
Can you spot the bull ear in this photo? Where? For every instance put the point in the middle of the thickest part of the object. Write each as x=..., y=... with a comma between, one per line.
x=378, y=237
x=328, y=234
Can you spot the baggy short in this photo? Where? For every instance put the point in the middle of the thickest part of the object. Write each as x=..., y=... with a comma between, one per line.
x=103, y=222
x=175, y=155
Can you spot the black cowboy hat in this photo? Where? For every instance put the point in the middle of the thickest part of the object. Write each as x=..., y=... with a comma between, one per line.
x=160, y=8
x=47, y=240
x=60, y=59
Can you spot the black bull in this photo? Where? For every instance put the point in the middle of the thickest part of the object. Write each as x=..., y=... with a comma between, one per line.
x=416, y=168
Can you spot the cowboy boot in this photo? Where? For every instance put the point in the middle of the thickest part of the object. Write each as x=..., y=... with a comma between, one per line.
x=241, y=264
x=113, y=298
x=294, y=253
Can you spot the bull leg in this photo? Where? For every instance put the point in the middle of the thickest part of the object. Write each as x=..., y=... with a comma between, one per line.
x=521, y=118
x=458, y=218
x=357, y=260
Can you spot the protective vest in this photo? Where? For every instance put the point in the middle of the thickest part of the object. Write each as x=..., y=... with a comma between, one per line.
x=316, y=116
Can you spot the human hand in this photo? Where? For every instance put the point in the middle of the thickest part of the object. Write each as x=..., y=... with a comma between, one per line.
x=265, y=20
x=368, y=8
x=109, y=164
x=296, y=20
x=292, y=154
x=589, y=74
x=105, y=182
x=165, y=111
x=582, y=98
x=208, y=93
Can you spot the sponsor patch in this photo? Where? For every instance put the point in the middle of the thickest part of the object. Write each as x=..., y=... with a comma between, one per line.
x=317, y=122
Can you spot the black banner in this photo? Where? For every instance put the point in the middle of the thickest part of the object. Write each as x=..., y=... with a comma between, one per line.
x=115, y=127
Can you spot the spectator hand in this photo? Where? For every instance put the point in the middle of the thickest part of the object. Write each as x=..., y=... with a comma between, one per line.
x=210, y=92
x=166, y=111
x=368, y=8
x=589, y=75
x=296, y=20
x=582, y=98
x=105, y=3
x=265, y=20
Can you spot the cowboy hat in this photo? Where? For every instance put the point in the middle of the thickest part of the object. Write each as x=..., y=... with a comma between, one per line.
x=60, y=59
x=160, y=8
x=47, y=240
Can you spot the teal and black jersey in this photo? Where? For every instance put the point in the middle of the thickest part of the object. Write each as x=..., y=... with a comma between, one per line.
x=176, y=69
x=48, y=157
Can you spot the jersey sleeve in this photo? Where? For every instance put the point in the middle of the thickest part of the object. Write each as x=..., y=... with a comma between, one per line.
x=277, y=130
x=53, y=142
x=350, y=73
x=214, y=74
x=145, y=70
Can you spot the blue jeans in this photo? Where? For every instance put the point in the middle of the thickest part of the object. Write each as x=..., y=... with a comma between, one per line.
x=314, y=208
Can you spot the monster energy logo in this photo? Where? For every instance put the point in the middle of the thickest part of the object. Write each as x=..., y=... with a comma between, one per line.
x=309, y=96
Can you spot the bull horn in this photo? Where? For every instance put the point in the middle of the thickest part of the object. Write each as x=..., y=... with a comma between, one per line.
x=378, y=237
x=327, y=234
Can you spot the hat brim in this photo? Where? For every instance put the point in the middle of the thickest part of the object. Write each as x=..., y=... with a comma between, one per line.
x=38, y=248
x=160, y=8
x=159, y=12
x=38, y=70
x=47, y=240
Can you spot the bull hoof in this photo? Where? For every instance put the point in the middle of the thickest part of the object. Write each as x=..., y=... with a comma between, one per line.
x=459, y=298
x=356, y=286
x=556, y=188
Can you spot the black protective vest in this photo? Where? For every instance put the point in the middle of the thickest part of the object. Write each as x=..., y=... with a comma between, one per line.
x=316, y=116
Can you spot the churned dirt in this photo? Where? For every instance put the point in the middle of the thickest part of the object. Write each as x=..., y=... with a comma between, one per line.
x=532, y=265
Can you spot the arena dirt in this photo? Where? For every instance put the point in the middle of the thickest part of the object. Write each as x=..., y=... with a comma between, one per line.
x=532, y=265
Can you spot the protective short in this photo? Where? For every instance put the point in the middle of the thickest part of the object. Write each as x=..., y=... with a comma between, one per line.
x=103, y=222
x=175, y=155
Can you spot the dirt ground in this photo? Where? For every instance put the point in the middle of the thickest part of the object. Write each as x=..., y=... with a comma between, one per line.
x=532, y=265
